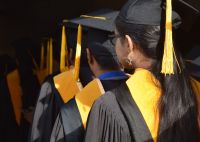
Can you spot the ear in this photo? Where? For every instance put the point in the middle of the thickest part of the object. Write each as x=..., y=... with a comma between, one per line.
x=131, y=47
x=89, y=56
x=130, y=44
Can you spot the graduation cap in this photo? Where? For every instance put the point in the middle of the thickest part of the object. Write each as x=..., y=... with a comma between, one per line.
x=149, y=12
x=100, y=27
x=102, y=19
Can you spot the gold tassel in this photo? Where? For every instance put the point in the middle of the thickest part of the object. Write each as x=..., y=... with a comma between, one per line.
x=93, y=17
x=63, y=51
x=51, y=56
x=47, y=57
x=42, y=57
x=167, y=62
x=78, y=53
x=66, y=54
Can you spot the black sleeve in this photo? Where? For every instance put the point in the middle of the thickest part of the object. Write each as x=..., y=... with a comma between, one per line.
x=57, y=134
x=47, y=109
x=40, y=109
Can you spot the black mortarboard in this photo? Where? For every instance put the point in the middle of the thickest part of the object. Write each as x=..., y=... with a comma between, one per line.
x=147, y=12
x=99, y=26
x=94, y=25
x=101, y=19
x=99, y=23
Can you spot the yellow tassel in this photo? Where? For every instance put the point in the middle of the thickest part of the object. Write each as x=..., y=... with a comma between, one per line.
x=47, y=57
x=78, y=53
x=167, y=62
x=93, y=17
x=63, y=52
x=66, y=55
x=51, y=56
x=42, y=57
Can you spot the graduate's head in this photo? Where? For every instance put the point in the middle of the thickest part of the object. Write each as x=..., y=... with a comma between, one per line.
x=99, y=26
x=138, y=32
x=101, y=54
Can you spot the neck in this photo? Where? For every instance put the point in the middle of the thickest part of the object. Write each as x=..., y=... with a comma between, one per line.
x=145, y=63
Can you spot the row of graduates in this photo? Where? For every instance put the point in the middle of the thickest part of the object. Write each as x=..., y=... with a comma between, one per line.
x=57, y=94
x=128, y=110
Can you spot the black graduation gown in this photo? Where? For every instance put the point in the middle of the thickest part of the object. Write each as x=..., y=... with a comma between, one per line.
x=9, y=129
x=115, y=117
x=68, y=126
x=46, y=111
x=47, y=108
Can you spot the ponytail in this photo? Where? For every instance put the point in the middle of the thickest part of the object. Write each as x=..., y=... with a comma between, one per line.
x=178, y=108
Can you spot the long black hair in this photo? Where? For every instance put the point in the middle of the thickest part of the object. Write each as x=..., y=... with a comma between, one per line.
x=178, y=108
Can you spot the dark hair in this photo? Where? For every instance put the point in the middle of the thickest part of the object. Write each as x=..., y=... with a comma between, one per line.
x=101, y=47
x=178, y=106
x=106, y=62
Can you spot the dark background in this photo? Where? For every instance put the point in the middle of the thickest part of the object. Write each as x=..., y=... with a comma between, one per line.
x=34, y=19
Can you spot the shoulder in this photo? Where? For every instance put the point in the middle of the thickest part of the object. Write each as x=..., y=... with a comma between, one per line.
x=48, y=84
x=46, y=88
x=70, y=106
x=107, y=100
x=108, y=105
x=48, y=92
x=106, y=110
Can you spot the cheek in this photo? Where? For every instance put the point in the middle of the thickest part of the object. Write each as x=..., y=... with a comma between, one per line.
x=121, y=53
